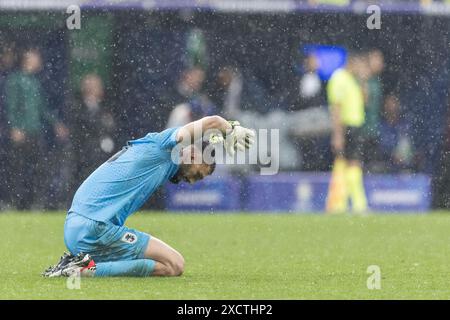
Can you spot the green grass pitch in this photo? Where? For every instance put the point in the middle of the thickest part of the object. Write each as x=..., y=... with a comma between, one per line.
x=247, y=256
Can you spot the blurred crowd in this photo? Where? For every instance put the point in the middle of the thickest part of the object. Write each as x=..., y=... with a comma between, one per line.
x=47, y=153
x=305, y=121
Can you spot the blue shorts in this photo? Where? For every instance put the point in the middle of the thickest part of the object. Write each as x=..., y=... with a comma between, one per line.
x=104, y=241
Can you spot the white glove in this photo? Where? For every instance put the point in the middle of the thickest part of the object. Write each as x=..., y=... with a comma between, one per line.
x=239, y=138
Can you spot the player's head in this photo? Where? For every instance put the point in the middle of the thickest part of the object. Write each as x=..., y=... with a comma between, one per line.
x=357, y=64
x=225, y=75
x=192, y=79
x=311, y=63
x=197, y=162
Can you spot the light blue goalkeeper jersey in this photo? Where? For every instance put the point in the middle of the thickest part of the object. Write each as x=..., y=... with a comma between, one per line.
x=121, y=185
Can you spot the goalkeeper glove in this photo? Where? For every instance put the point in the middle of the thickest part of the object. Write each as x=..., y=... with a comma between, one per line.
x=239, y=138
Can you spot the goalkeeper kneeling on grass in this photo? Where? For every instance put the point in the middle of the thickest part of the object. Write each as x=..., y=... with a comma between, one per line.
x=94, y=232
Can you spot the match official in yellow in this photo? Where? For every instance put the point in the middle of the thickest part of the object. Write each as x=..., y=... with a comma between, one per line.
x=346, y=103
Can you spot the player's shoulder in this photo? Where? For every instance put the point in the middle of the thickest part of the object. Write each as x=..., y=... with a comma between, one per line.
x=169, y=131
x=339, y=79
x=338, y=75
x=149, y=137
x=165, y=138
x=168, y=137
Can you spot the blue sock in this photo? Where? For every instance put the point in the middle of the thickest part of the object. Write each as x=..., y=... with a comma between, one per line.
x=125, y=268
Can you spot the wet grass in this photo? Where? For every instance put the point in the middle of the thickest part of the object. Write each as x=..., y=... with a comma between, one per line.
x=247, y=256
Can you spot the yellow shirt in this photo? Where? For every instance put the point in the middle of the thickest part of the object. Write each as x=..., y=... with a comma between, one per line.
x=344, y=91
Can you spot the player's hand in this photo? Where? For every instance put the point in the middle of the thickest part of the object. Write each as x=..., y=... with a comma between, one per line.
x=239, y=138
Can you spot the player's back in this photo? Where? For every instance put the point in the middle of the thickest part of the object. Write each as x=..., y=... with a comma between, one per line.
x=121, y=185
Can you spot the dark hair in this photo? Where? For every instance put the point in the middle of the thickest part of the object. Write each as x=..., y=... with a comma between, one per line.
x=176, y=178
x=205, y=145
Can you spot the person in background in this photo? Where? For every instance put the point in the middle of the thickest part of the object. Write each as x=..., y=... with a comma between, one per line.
x=189, y=86
x=395, y=144
x=195, y=109
x=346, y=103
x=91, y=128
x=226, y=90
x=6, y=66
x=190, y=102
x=242, y=96
x=310, y=100
x=28, y=113
x=310, y=89
x=374, y=102
x=236, y=92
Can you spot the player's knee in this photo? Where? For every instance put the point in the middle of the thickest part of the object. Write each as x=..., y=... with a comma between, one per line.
x=177, y=266
x=180, y=266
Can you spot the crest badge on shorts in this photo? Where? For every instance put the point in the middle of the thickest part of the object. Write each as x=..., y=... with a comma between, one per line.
x=129, y=238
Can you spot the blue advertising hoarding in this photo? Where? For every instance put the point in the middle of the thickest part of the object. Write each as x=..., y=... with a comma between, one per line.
x=400, y=192
x=295, y=192
x=215, y=193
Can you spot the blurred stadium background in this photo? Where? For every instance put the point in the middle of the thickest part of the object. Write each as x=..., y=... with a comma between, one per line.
x=138, y=66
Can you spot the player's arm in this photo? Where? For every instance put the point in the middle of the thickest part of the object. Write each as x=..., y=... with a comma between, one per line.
x=235, y=136
x=195, y=130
